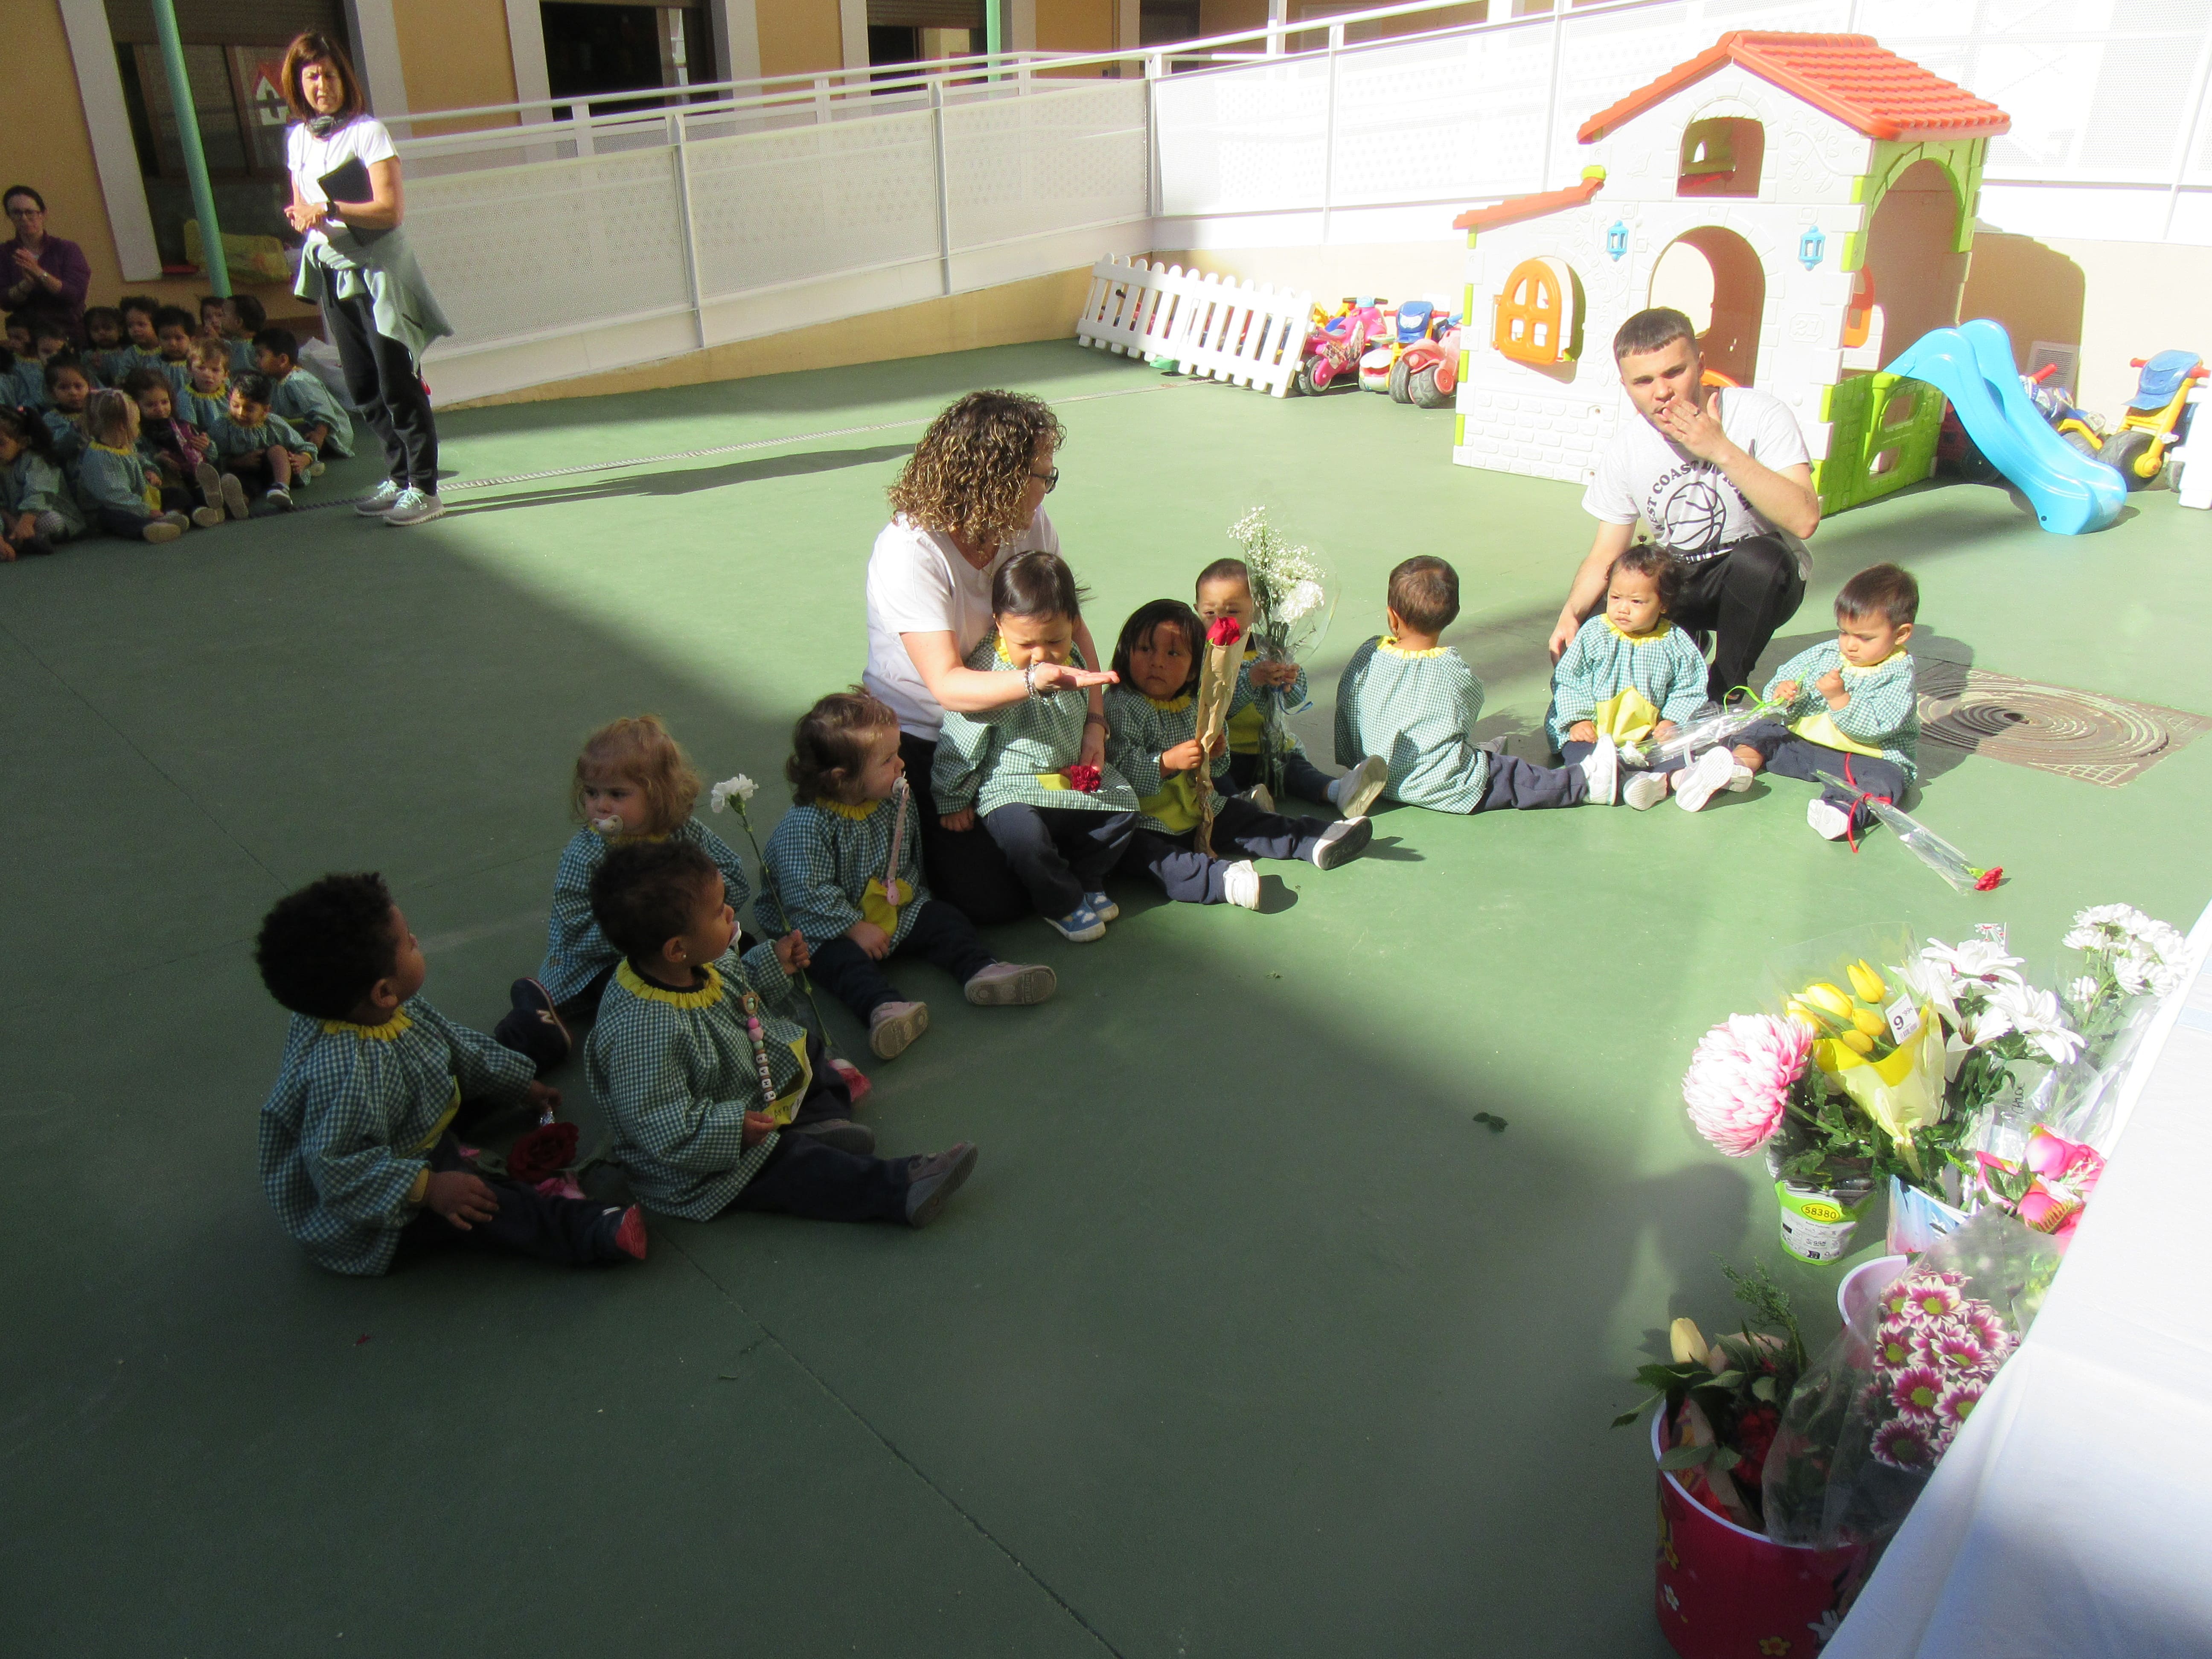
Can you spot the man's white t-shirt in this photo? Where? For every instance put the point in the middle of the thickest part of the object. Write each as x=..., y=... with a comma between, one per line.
x=1691, y=508
x=919, y=583
x=364, y=138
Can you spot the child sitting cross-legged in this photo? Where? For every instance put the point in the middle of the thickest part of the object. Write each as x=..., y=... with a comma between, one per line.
x=1852, y=711
x=38, y=508
x=358, y=1154
x=178, y=449
x=1411, y=700
x=120, y=488
x=1630, y=675
x=302, y=397
x=1062, y=829
x=257, y=447
x=831, y=859
x=1152, y=722
x=716, y=1101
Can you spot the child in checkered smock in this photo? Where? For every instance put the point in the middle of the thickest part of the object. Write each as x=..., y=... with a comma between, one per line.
x=1412, y=701
x=1151, y=721
x=830, y=864
x=358, y=1153
x=716, y=1101
x=1015, y=769
x=632, y=782
x=1630, y=675
x=1853, y=712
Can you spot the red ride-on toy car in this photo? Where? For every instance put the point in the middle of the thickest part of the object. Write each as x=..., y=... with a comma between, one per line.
x=1334, y=347
x=1427, y=374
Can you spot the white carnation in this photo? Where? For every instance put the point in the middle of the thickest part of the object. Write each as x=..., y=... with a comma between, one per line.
x=1975, y=959
x=741, y=786
x=1302, y=600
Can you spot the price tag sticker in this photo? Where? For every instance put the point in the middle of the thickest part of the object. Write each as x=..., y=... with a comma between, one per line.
x=1904, y=1020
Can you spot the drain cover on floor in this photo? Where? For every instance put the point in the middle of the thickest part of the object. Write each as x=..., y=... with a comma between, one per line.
x=2076, y=734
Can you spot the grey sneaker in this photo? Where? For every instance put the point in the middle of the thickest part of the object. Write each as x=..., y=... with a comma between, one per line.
x=234, y=495
x=1341, y=843
x=167, y=528
x=931, y=1181
x=1011, y=985
x=379, y=500
x=415, y=507
x=894, y=1026
x=278, y=500
x=211, y=482
x=1357, y=790
x=207, y=518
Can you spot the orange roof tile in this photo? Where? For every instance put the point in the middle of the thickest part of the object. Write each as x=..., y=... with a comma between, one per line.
x=1848, y=75
x=1514, y=209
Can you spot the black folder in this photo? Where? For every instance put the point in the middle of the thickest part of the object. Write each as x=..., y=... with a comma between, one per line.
x=346, y=182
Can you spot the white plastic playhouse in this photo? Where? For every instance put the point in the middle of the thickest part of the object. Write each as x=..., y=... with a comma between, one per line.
x=1826, y=188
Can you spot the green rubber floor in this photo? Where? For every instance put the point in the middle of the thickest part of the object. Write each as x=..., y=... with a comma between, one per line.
x=1246, y=1339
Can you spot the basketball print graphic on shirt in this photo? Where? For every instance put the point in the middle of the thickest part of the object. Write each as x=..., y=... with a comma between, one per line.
x=1688, y=511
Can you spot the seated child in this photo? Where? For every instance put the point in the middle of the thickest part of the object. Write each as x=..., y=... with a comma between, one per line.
x=178, y=449
x=23, y=377
x=68, y=387
x=715, y=1101
x=358, y=1153
x=49, y=338
x=632, y=782
x=106, y=349
x=1225, y=589
x=215, y=320
x=173, y=337
x=38, y=509
x=245, y=318
x=142, y=346
x=1413, y=701
x=1152, y=722
x=258, y=448
x=119, y=488
x=206, y=397
x=1631, y=675
x=301, y=397
x=1010, y=768
x=1853, y=713
x=830, y=856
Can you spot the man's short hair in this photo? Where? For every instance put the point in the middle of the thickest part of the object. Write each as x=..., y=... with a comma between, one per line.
x=1424, y=592
x=1884, y=590
x=322, y=949
x=646, y=892
x=1651, y=331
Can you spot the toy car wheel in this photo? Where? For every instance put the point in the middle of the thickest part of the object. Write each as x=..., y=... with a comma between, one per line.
x=2077, y=441
x=2125, y=450
x=1304, y=382
x=1401, y=373
x=1423, y=390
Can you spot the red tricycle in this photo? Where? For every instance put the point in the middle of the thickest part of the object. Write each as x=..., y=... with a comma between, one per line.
x=1334, y=347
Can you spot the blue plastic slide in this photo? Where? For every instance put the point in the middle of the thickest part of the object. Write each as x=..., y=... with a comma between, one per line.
x=1972, y=365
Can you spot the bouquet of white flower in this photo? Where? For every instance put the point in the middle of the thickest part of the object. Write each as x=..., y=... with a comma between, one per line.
x=1293, y=599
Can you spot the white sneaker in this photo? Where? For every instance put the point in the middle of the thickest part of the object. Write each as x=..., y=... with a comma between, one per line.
x=1702, y=778
x=1645, y=790
x=234, y=495
x=166, y=528
x=207, y=518
x=1240, y=885
x=210, y=484
x=1829, y=820
x=1341, y=843
x=893, y=1028
x=415, y=507
x=1011, y=985
x=1356, y=792
x=278, y=499
x=1601, y=766
x=1739, y=780
x=379, y=500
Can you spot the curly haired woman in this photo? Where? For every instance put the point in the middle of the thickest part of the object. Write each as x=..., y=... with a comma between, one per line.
x=971, y=498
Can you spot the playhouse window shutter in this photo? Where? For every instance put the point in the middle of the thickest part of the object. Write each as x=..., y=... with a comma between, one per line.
x=1534, y=321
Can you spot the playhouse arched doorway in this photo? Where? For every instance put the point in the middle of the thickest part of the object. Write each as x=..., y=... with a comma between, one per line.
x=1713, y=276
x=1912, y=257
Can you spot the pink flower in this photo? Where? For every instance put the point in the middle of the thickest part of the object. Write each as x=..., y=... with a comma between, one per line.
x=1916, y=1390
x=2056, y=1159
x=1956, y=1403
x=1956, y=1349
x=2050, y=1212
x=1903, y=1444
x=1931, y=1297
x=1738, y=1085
x=1989, y=1330
x=1894, y=1349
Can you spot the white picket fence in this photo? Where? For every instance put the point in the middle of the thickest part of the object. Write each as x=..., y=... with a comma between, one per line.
x=1214, y=327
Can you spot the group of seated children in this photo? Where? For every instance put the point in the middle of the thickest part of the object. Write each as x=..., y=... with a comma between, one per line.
x=155, y=430
x=718, y=1100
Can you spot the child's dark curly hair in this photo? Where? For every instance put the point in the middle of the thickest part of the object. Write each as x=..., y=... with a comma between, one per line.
x=322, y=949
x=1664, y=570
x=1157, y=614
x=254, y=389
x=647, y=893
x=1038, y=584
x=827, y=752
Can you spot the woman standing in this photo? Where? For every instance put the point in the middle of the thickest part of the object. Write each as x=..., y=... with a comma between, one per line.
x=376, y=307
x=41, y=276
x=972, y=496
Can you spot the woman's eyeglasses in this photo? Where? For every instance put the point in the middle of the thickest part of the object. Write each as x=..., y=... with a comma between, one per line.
x=1051, y=479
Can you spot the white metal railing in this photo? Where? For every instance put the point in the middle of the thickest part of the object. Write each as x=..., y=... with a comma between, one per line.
x=875, y=187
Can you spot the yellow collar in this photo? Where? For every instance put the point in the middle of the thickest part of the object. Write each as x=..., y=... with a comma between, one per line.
x=999, y=645
x=385, y=1033
x=1873, y=667
x=638, y=985
x=1169, y=705
x=858, y=814
x=623, y=841
x=1389, y=643
x=1658, y=633
x=109, y=449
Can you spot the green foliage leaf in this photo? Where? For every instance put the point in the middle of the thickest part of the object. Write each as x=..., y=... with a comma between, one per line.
x=1725, y=1460
x=1727, y=1379
x=1685, y=1457
x=1628, y=1416
x=1762, y=1388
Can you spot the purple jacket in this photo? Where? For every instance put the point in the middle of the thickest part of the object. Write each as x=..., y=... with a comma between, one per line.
x=58, y=258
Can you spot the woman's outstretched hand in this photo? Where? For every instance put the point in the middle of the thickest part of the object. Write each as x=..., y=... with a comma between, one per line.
x=1066, y=676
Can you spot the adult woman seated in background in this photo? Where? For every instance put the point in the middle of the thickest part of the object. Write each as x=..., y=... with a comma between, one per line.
x=971, y=498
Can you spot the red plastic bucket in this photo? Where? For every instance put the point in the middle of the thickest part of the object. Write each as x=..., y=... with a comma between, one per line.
x=1725, y=1592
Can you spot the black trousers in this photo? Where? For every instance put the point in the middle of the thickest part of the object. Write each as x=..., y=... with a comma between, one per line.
x=1301, y=777
x=1188, y=876
x=1789, y=756
x=1575, y=753
x=805, y=1178
x=1740, y=597
x=1514, y=784
x=964, y=867
x=383, y=383
x=1060, y=853
x=941, y=934
x=570, y=1231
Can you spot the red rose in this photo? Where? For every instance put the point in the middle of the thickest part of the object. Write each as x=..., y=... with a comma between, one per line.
x=545, y=1150
x=1085, y=778
x=1989, y=878
x=1754, y=1438
x=1225, y=631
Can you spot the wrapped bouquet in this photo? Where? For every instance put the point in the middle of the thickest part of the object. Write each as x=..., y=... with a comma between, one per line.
x=1293, y=600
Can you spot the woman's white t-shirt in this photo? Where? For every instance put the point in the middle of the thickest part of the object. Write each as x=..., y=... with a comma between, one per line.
x=919, y=583
x=364, y=138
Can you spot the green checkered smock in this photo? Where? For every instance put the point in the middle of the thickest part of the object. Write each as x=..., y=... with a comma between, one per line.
x=674, y=1072
x=346, y=1132
x=1416, y=709
x=576, y=952
x=232, y=438
x=824, y=858
x=304, y=401
x=203, y=408
x=1247, y=719
x=1014, y=756
x=1881, y=718
x=1664, y=669
x=1140, y=730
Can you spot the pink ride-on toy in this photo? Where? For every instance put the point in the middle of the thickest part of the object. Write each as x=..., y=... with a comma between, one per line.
x=1427, y=374
x=1405, y=326
x=1334, y=347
